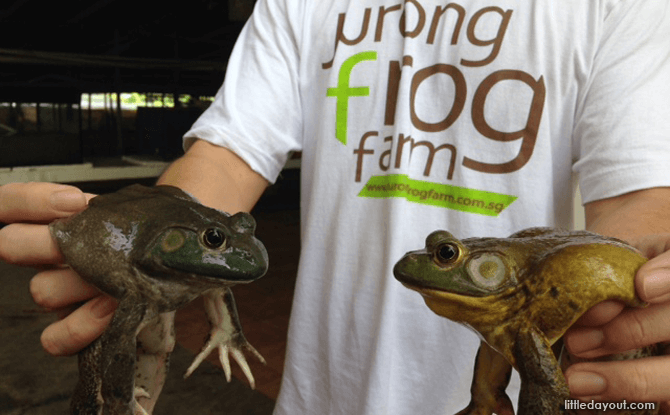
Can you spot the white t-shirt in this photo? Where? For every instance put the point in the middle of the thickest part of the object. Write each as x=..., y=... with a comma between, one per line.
x=413, y=116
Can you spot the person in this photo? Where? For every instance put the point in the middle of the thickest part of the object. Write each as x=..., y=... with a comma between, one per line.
x=411, y=116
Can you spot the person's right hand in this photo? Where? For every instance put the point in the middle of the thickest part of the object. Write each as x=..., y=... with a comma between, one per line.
x=27, y=208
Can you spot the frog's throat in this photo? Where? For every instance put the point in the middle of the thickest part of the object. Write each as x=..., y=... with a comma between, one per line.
x=480, y=313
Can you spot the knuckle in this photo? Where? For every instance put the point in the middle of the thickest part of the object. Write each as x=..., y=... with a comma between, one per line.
x=638, y=329
x=69, y=335
x=632, y=333
x=74, y=333
x=636, y=384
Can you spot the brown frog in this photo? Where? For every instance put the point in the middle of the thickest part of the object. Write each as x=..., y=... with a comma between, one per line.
x=520, y=294
x=155, y=250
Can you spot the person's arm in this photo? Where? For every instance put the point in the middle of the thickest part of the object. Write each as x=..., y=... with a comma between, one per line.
x=214, y=175
x=643, y=219
x=631, y=216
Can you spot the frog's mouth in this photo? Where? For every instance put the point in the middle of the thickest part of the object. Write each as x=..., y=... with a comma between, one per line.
x=442, y=296
x=434, y=292
x=464, y=309
x=441, y=302
x=456, y=287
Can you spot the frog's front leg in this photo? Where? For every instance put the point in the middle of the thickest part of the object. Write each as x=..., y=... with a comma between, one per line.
x=491, y=377
x=543, y=386
x=226, y=334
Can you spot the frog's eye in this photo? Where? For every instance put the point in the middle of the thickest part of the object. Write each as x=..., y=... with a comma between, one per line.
x=487, y=271
x=446, y=253
x=214, y=238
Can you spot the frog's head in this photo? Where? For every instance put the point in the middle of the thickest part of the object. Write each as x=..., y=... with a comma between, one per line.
x=222, y=248
x=456, y=273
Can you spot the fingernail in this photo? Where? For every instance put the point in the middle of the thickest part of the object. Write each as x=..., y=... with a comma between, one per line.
x=67, y=201
x=586, y=340
x=103, y=306
x=656, y=285
x=586, y=384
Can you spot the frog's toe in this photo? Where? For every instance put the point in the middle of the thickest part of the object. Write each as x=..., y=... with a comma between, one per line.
x=478, y=410
x=225, y=335
x=241, y=360
x=199, y=359
x=228, y=344
x=140, y=393
x=139, y=410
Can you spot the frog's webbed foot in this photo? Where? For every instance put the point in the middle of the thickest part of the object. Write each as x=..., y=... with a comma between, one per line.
x=492, y=373
x=226, y=335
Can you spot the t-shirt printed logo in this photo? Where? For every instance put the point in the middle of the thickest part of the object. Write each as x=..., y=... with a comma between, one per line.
x=344, y=91
x=484, y=29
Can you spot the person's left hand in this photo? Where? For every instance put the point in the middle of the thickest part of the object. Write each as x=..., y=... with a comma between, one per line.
x=610, y=328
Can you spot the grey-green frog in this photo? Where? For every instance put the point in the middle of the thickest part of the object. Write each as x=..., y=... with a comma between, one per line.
x=154, y=250
x=521, y=294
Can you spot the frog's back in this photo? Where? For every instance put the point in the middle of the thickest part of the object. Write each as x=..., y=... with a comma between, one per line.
x=130, y=218
x=585, y=264
x=580, y=271
x=116, y=229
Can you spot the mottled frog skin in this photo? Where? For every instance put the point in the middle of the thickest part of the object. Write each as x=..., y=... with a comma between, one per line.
x=520, y=294
x=155, y=249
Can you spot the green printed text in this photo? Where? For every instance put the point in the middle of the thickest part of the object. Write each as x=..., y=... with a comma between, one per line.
x=436, y=194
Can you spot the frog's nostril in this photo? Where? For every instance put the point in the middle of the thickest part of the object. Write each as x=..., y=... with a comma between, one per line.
x=244, y=222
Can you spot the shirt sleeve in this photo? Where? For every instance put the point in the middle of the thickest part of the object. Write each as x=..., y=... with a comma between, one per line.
x=257, y=112
x=622, y=125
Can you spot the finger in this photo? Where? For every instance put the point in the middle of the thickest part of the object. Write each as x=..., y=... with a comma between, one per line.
x=632, y=329
x=639, y=380
x=600, y=314
x=653, y=245
x=79, y=329
x=58, y=288
x=39, y=202
x=653, y=279
x=28, y=244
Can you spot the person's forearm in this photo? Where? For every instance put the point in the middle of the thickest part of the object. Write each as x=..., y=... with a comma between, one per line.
x=631, y=216
x=216, y=177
